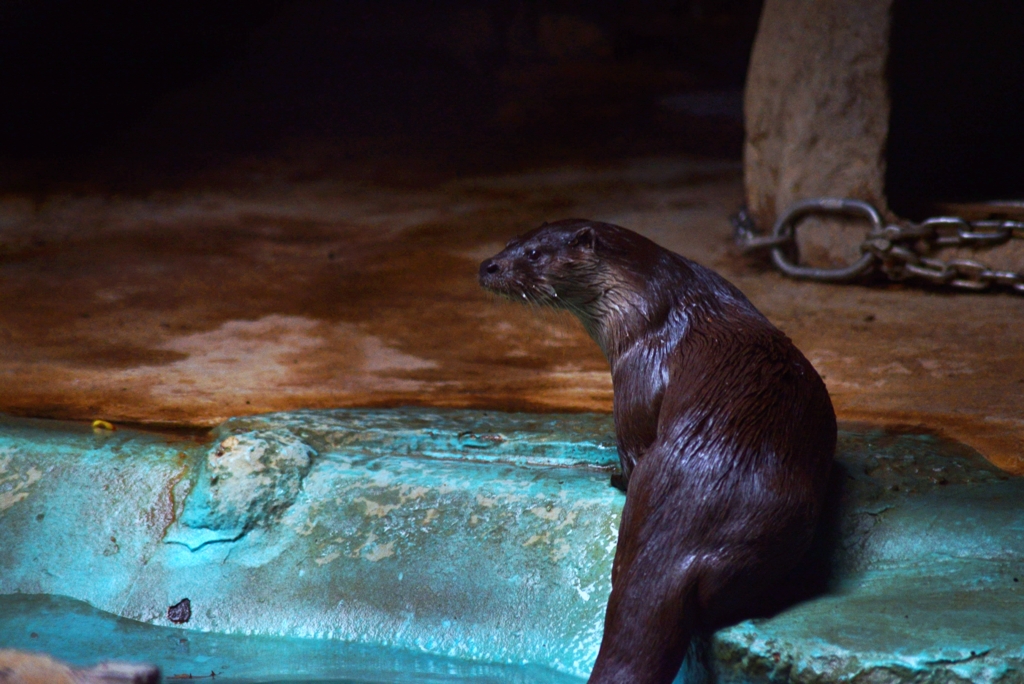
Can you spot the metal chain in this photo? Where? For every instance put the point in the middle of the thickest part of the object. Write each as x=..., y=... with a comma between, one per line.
x=900, y=251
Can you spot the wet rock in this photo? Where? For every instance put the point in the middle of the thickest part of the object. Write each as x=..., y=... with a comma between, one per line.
x=582, y=439
x=247, y=480
x=489, y=537
x=927, y=544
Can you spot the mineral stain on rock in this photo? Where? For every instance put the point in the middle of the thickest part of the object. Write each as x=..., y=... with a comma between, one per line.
x=14, y=487
x=180, y=612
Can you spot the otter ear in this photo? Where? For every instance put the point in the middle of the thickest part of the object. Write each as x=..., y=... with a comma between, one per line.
x=584, y=237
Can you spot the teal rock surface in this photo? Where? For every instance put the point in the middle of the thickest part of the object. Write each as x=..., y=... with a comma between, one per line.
x=928, y=576
x=442, y=541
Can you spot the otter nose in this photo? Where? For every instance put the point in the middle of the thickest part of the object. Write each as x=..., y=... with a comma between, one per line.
x=489, y=267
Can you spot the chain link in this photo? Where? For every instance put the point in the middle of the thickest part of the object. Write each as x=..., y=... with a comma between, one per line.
x=900, y=251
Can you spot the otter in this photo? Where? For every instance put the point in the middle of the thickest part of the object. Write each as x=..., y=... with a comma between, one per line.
x=726, y=437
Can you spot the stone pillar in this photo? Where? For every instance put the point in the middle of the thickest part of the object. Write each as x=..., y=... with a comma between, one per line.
x=817, y=111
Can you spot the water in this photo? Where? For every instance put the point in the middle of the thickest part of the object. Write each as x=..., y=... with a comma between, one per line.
x=75, y=632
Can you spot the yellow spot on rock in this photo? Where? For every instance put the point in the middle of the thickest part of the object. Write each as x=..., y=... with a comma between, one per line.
x=570, y=518
x=561, y=550
x=414, y=493
x=546, y=514
x=380, y=552
x=537, y=538
x=21, y=484
x=328, y=558
x=431, y=515
x=359, y=549
x=377, y=509
x=8, y=499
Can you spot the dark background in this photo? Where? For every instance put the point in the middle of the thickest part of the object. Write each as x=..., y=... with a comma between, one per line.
x=956, y=76
x=126, y=93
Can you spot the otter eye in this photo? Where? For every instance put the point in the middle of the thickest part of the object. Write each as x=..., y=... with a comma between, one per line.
x=533, y=255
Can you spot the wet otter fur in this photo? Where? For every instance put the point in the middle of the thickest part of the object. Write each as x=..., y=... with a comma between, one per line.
x=726, y=436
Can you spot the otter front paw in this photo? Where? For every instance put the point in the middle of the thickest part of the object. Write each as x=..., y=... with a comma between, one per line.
x=619, y=481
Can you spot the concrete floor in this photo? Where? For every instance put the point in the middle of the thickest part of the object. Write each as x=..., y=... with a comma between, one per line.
x=186, y=306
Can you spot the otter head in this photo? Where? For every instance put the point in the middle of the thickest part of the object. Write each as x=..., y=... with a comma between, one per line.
x=593, y=270
x=555, y=265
